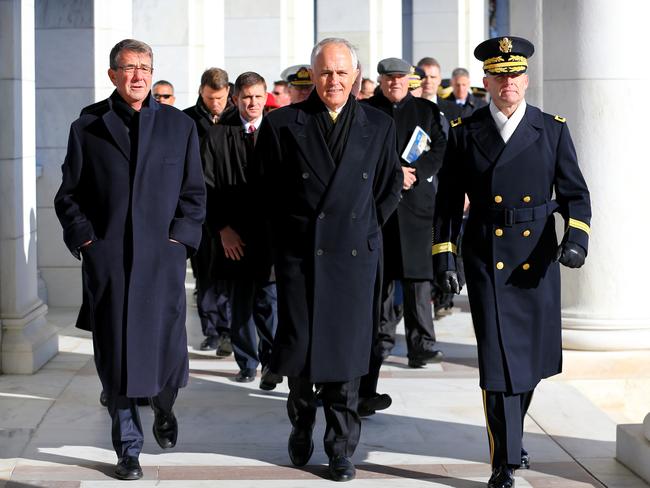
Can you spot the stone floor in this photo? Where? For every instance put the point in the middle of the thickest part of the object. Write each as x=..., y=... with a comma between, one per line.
x=54, y=433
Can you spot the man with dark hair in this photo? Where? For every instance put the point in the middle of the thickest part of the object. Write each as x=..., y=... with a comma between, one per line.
x=131, y=204
x=281, y=93
x=330, y=178
x=242, y=254
x=163, y=92
x=211, y=292
x=464, y=102
x=430, y=83
x=519, y=167
x=367, y=89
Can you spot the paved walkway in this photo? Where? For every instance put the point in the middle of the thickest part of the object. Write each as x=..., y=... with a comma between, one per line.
x=54, y=433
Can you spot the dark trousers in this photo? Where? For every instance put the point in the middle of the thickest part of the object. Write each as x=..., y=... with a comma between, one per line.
x=504, y=413
x=340, y=402
x=418, y=317
x=211, y=295
x=254, y=308
x=126, y=428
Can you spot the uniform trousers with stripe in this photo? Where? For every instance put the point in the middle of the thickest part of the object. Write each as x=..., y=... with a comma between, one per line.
x=504, y=414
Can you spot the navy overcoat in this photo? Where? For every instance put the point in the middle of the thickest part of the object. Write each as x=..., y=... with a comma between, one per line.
x=510, y=243
x=133, y=274
x=326, y=223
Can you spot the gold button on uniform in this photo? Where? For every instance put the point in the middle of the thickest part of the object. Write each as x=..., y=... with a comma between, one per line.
x=526, y=233
x=527, y=199
x=500, y=265
x=498, y=198
x=525, y=266
x=498, y=232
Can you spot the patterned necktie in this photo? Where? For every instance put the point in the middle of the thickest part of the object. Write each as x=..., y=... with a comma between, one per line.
x=333, y=115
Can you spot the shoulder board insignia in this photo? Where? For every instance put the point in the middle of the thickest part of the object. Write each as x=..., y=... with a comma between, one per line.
x=560, y=119
x=456, y=122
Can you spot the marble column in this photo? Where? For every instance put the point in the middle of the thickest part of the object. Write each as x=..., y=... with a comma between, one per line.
x=186, y=38
x=590, y=60
x=27, y=340
x=73, y=42
x=267, y=36
x=449, y=32
x=374, y=27
x=526, y=20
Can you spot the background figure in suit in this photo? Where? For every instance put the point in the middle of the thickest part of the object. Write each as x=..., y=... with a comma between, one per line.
x=509, y=158
x=330, y=170
x=407, y=233
x=212, y=291
x=131, y=204
x=462, y=101
x=235, y=214
x=163, y=92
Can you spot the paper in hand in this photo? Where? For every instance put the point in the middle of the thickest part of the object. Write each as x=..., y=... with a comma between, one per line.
x=417, y=145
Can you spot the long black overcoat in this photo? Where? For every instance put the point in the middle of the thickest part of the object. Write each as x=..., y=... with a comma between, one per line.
x=133, y=275
x=327, y=238
x=510, y=243
x=407, y=234
x=233, y=201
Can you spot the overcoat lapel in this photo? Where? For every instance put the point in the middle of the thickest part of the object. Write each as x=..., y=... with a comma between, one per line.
x=147, y=121
x=313, y=147
x=487, y=137
x=118, y=132
x=526, y=134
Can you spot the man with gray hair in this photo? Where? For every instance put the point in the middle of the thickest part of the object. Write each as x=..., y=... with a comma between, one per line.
x=461, y=95
x=131, y=204
x=331, y=177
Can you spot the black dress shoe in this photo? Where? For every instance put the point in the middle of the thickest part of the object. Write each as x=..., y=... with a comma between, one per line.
x=269, y=379
x=224, y=346
x=210, y=343
x=128, y=468
x=525, y=459
x=421, y=358
x=165, y=428
x=502, y=477
x=369, y=406
x=301, y=446
x=342, y=469
x=245, y=376
x=103, y=399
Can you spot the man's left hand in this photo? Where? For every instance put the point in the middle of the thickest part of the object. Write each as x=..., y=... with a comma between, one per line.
x=571, y=255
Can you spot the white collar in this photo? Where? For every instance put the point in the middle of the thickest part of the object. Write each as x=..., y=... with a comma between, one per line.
x=506, y=126
x=255, y=123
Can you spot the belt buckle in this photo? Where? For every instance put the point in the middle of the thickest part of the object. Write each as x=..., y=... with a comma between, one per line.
x=508, y=217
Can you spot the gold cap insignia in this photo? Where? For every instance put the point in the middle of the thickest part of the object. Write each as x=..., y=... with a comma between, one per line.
x=505, y=45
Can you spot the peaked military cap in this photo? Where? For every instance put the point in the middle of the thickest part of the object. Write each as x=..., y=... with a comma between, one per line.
x=393, y=66
x=300, y=77
x=415, y=78
x=503, y=55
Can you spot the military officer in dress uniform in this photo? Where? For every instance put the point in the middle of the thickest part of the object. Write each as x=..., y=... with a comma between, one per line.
x=510, y=158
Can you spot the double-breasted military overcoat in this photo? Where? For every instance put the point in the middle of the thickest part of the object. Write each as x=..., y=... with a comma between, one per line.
x=326, y=221
x=407, y=233
x=510, y=243
x=130, y=202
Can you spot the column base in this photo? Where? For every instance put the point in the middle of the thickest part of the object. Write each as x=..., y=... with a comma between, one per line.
x=589, y=334
x=633, y=447
x=28, y=342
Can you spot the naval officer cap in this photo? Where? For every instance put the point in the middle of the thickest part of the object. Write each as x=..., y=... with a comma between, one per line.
x=393, y=66
x=504, y=55
x=300, y=78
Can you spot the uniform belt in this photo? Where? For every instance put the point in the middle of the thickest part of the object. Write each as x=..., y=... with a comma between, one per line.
x=507, y=217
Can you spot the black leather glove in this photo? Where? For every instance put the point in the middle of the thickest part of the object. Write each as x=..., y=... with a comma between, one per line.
x=571, y=255
x=448, y=282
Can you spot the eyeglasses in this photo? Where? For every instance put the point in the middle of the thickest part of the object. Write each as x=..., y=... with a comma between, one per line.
x=277, y=93
x=162, y=95
x=130, y=68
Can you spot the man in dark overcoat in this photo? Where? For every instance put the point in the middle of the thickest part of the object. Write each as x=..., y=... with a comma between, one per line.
x=407, y=233
x=510, y=158
x=331, y=173
x=235, y=215
x=131, y=203
x=212, y=299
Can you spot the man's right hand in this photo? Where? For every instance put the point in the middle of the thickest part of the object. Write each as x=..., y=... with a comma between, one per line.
x=448, y=282
x=233, y=246
x=409, y=177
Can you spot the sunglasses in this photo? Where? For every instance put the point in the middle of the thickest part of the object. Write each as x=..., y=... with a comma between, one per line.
x=162, y=95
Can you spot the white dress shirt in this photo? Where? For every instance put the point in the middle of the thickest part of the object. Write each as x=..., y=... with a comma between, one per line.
x=506, y=126
x=255, y=123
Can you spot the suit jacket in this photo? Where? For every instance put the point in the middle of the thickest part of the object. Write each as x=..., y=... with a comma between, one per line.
x=133, y=275
x=509, y=242
x=227, y=154
x=407, y=234
x=326, y=222
x=471, y=103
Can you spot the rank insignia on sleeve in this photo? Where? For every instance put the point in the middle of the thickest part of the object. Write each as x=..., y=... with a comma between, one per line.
x=456, y=122
x=560, y=119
